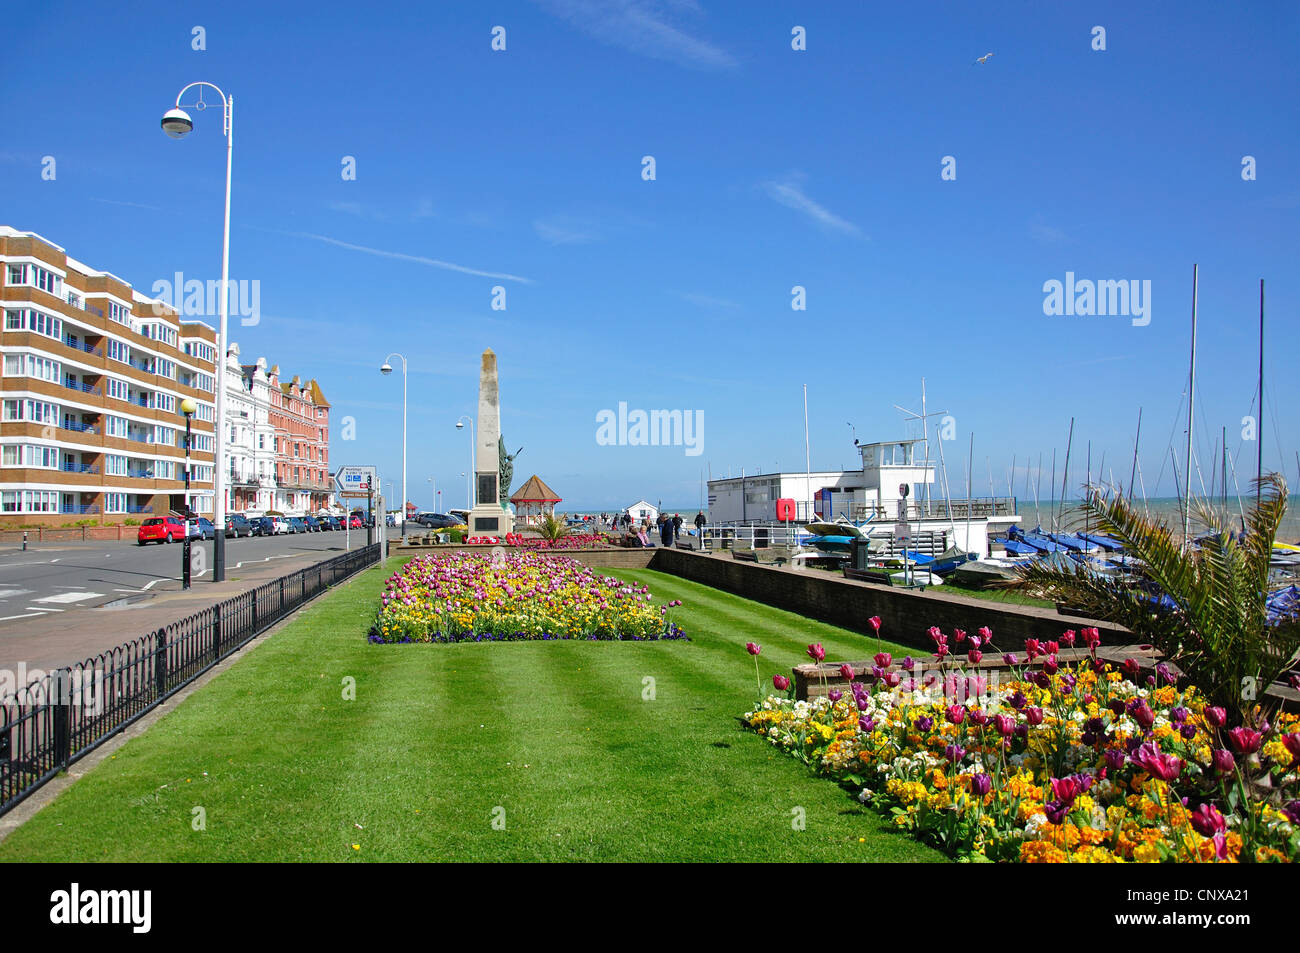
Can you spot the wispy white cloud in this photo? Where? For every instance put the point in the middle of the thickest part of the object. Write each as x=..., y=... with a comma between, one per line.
x=418, y=259
x=642, y=26
x=561, y=230
x=789, y=192
x=1048, y=234
x=708, y=301
x=153, y=208
x=422, y=208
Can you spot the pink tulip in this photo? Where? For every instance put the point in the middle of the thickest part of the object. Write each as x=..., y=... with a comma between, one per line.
x=1207, y=821
x=1034, y=716
x=780, y=682
x=1005, y=724
x=974, y=655
x=883, y=659
x=956, y=714
x=1245, y=741
x=753, y=648
x=875, y=622
x=847, y=671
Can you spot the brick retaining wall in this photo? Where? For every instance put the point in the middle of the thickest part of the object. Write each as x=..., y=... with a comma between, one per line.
x=906, y=614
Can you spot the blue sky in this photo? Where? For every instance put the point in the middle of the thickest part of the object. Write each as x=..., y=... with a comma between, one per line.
x=775, y=168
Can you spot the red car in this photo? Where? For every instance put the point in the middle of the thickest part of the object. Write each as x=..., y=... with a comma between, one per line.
x=161, y=529
x=355, y=522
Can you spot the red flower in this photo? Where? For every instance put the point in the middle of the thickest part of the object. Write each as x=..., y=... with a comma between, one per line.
x=816, y=652
x=847, y=671
x=1207, y=821
x=753, y=648
x=780, y=682
x=1245, y=741
x=875, y=622
x=1292, y=742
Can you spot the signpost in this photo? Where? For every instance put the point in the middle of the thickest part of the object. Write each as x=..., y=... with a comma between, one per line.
x=354, y=483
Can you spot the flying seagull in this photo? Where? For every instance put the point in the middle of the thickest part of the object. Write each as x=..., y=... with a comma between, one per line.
x=983, y=59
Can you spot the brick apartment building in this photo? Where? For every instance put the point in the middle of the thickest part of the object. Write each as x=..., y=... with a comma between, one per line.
x=300, y=420
x=92, y=375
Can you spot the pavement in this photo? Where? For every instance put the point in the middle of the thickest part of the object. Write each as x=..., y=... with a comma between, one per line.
x=62, y=603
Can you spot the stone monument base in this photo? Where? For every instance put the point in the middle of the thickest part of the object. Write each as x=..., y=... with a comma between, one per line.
x=489, y=520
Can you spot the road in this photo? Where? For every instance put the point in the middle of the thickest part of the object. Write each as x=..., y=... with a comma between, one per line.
x=65, y=577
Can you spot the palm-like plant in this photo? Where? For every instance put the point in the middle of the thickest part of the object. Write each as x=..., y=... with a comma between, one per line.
x=552, y=528
x=1213, y=624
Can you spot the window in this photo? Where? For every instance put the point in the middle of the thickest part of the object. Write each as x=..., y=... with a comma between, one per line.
x=14, y=320
x=165, y=368
x=161, y=401
x=42, y=323
x=201, y=441
x=74, y=299
x=119, y=313
x=47, y=281
x=114, y=465
x=40, y=501
x=29, y=455
x=114, y=502
x=119, y=351
x=116, y=426
x=164, y=470
x=164, y=435
x=117, y=388
x=205, y=412
x=17, y=274
x=30, y=365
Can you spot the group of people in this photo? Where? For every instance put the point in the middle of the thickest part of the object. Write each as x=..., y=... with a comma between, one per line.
x=669, y=528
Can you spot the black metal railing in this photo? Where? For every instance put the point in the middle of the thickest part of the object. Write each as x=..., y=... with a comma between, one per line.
x=64, y=715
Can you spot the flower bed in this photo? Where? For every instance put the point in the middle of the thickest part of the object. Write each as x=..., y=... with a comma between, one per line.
x=572, y=541
x=464, y=597
x=1054, y=764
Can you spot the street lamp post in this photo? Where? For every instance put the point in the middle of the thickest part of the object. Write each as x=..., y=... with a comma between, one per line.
x=434, y=484
x=188, y=406
x=469, y=477
x=176, y=123
x=387, y=369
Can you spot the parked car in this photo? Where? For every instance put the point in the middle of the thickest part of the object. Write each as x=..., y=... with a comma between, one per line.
x=437, y=520
x=237, y=525
x=354, y=522
x=325, y=525
x=160, y=529
x=296, y=525
x=202, y=528
x=264, y=526
x=313, y=525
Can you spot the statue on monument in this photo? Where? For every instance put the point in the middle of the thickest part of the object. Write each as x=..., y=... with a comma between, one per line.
x=505, y=468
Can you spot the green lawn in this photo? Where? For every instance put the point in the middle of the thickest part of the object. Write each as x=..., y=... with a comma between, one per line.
x=440, y=736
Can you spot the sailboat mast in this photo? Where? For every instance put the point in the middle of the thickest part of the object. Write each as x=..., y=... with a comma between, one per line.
x=1137, y=437
x=1065, y=474
x=1191, y=411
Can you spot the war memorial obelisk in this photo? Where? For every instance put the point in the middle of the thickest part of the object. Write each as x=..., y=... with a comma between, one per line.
x=491, y=515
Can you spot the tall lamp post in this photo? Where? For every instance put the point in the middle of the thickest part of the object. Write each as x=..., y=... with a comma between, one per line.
x=434, y=490
x=188, y=406
x=176, y=123
x=469, y=477
x=387, y=369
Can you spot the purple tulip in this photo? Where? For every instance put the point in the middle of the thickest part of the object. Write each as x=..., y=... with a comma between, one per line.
x=908, y=664
x=1166, y=767
x=1292, y=811
x=1017, y=700
x=1163, y=671
x=981, y=784
x=1034, y=716
x=865, y=724
x=954, y=753
x=1005, y=724
x=1010, y=658
x=1056, y=811
x=1051, y=665
x=979, y=716
x=1114, y=759
x=1207, y=821
x=1245, y=741
x=1141, y=713
x=924, y=723
x=834, y=695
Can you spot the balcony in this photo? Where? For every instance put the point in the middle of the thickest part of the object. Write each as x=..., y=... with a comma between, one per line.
x=139, y=437
x=82, y=386
x=69, y=424
x=80, y=468
x=79, y=509
x=79, y=345
x=137, y=508
x=139, y=474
